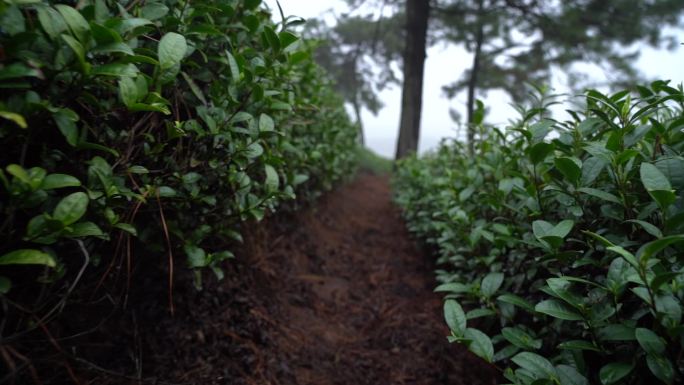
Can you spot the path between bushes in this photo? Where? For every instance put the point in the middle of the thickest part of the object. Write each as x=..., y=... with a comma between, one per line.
x=339, y=294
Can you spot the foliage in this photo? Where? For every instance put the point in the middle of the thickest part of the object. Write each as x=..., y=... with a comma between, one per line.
x=166, y=120
x=520, y=41
x=352, y=50
x=372, y=162
x=561, y=242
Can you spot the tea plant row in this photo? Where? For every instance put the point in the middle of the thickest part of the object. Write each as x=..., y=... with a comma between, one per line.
x=170, y=122
x=561, y=243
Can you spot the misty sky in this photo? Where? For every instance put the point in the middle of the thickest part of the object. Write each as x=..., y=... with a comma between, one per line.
x=444, y=65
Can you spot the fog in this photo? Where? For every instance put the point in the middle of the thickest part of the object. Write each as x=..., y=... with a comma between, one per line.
x=445, y=64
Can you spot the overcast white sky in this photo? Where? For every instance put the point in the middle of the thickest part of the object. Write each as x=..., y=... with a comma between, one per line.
x=446, y=64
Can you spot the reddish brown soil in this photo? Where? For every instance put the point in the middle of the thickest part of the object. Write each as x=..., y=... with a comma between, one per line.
x=337, y=294
x=357, y=305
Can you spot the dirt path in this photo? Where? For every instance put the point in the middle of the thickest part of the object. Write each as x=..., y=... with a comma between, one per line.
x=357, y=306
x=337, y=294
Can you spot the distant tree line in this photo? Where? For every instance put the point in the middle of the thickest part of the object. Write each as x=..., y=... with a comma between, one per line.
x=512, y=42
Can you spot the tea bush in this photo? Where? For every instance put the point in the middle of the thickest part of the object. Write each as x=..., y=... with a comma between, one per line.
x=560, y=242
x=167, y=120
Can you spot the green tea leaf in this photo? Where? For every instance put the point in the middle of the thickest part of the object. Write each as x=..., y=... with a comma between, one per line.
x=480, y=312
x=649, y=228
x=127, y=228
x=167, y=192
x=540, y=130
x=521, y=339
x=272, y=181
x=670, y=310
x=466, y=193
x=241, y=116
x=252, y=4
x=27, y=257
x=301, y=178
x=85, y=229
x=191, y=178
x=71, y=208
x=13, y=20
x=16, y=118
x=55, y=181
x=642, y=292
x=649, y=341
x=617, y=332
x=272, y=38
x=560, y=288
x=452, y=287
x=539, y=366
x=116, y=47
x=541, y=228
x=591, y=169
x=234, y=69
x=196, y=90
x=606, y=196
x=116, y=70
x=77, y=23
x=657, y=184
x=480, y=344
x=571, y=168
x=455, y=317
x=19, y=172
x=663, y=278
x=629, y=257
x=550, y=234
x=66, y=122
x=138, y=170
x=254, y=150
x=663, y=197
x=491, y=283
x=601, y=239
x=196, y=256
x=578, y=345
x=516, y=300
x=568, y=375
x=154, y=11
x=171, y=50
x=562, y=229
x=539, y=151
x=287, y=38
x=599, y=151
x=128, y=92
x=654, y=247
x=661, y=367
x=558, y=309
x=673, y=169
x=129, y=25
x=626, y=156
x=78, y=50
x=266, y=123
x=51, y=21
x=614, y=372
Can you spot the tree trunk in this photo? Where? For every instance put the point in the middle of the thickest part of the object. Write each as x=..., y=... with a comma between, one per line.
x=472, y=82
x=357, y=111
x=356, y=87
x=417, y=14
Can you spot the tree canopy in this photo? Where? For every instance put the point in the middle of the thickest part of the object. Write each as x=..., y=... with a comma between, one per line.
x=358, y=51
x=512, y=42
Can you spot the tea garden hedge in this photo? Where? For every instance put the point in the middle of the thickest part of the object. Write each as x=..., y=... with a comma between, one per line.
x=164, y=124
x=561, y=243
